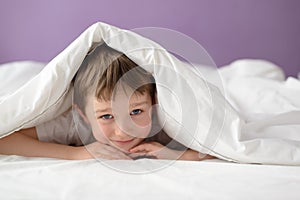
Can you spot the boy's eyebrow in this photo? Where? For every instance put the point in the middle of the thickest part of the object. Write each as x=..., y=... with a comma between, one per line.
x=138, y=104
x=103, y=110
x=132, y=105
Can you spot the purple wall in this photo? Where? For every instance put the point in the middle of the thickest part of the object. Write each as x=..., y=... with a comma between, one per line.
x=228, y=29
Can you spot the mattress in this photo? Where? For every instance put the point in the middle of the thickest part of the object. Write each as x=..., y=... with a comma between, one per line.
x=40, y=178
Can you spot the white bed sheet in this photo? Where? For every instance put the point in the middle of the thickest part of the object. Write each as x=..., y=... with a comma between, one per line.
x=40, y=178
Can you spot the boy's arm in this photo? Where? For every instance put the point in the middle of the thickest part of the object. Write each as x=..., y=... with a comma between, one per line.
x=25, y=143
x=190, y=154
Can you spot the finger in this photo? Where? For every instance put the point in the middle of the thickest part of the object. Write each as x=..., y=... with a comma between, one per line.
x=121, y=155
x=136, y=156
x=122, y=158
x=113, y=149
x=144, y=156
x=142, y=147
x=113, y=156
x=133, y=155
x=109, y=152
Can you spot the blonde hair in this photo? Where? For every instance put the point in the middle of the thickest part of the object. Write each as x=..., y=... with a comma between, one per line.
x=100, y=72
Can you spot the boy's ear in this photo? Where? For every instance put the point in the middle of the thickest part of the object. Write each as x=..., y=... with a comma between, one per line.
x=76, y=107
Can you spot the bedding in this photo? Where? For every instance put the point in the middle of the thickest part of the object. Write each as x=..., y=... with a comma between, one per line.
x=41, y=178
x=227, y=131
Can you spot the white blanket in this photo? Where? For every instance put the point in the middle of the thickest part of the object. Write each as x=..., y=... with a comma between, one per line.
x=37, y=178
x=254, y=134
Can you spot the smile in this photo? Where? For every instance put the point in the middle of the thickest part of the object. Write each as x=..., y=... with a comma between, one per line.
x=123, y=141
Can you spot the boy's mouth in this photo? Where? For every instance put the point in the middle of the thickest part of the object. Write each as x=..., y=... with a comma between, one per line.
x=123, y=142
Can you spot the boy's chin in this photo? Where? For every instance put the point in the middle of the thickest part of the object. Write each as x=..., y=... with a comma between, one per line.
x=126, y=148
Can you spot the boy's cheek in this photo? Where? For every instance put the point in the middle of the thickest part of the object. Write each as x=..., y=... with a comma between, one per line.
x=143, y=121
x=99, y=135
x=100, y=138
x=143, y=133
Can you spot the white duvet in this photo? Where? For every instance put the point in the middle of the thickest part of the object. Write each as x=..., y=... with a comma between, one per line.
x=260, y=123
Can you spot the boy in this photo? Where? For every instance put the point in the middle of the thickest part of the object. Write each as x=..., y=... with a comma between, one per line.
x=119, y=122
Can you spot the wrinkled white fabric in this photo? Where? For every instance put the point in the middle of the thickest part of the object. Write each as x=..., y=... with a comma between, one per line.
x=41, y=178
x=243, y=132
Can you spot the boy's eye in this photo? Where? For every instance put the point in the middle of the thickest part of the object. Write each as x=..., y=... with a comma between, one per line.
x=107, y=116
x=136, y=112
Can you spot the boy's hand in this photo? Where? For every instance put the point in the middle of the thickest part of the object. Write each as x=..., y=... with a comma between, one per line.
x=156, y=150
x=99, y=150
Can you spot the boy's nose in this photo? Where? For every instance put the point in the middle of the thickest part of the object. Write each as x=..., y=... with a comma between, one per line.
x=121, y=133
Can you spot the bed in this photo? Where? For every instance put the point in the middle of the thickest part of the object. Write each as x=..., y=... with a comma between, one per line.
x=40, y=178
x=254, y=159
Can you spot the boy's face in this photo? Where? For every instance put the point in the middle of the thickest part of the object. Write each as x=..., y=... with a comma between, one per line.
x=122, y=122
